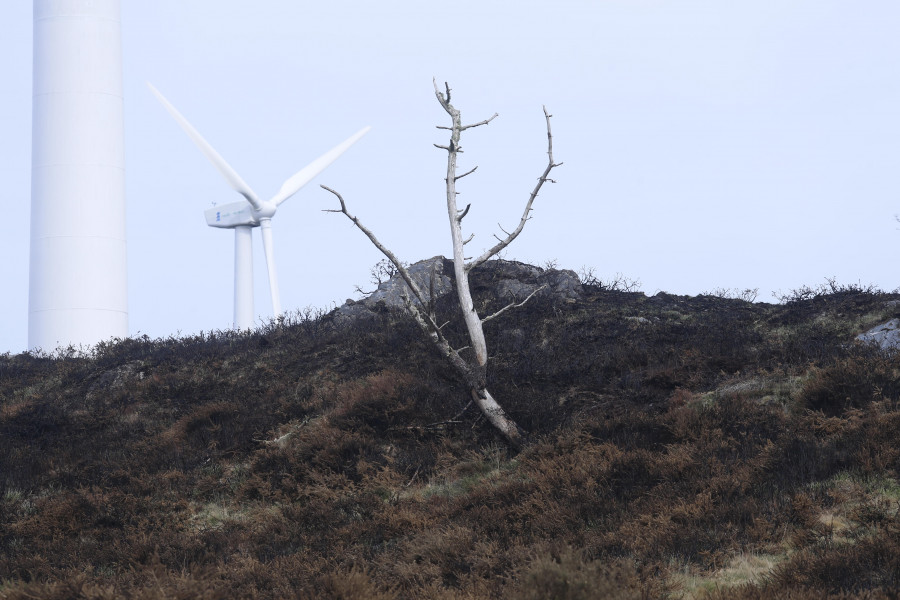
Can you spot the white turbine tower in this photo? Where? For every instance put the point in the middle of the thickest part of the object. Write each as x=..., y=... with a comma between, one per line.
x=78, y=277
x=244, y=215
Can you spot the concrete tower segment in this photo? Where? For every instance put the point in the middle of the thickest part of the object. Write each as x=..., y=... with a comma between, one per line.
x=78, y=275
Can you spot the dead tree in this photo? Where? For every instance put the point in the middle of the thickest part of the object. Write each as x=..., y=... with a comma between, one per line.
x=421, y=306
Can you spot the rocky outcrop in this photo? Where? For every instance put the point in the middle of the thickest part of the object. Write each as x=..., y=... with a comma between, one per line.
x=431, y=275
x=504, y=279
x=509, y=279
x=886, y=336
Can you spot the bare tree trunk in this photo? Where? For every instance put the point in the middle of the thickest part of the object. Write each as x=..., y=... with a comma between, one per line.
x=475, y=375
x=474, y=324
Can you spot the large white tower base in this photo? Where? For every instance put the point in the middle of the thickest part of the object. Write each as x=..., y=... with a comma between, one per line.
x=78, y=285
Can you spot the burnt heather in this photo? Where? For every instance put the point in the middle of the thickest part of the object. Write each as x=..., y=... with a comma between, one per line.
x=679, y=447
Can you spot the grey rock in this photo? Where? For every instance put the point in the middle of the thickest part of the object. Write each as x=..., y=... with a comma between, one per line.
x=563, y=283
x=115, y=378
x=508, y=280
x=427, y=274
x=663, y=298
x=886, y=336
x=515, y=290
x=638, y=320
x=515, y=280
x=510, y=269
x=352, y=312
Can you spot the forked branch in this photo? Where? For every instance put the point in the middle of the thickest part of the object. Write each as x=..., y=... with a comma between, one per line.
x=503, y=243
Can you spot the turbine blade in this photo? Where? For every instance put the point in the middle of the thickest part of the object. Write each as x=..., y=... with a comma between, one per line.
x=234, y=180
x=266, y=230
x=307, y=173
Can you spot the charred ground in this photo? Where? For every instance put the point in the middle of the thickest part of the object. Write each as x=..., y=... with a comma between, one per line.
x=680, y=447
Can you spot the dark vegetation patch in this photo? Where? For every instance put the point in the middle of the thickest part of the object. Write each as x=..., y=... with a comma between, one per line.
x=669, y=435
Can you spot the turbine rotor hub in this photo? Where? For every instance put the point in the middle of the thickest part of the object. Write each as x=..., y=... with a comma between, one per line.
x=265, y=211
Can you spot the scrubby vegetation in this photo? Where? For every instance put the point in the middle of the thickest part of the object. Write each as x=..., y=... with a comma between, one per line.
x=696, y=447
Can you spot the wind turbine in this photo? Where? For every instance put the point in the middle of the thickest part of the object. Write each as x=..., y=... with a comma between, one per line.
x=244, y=215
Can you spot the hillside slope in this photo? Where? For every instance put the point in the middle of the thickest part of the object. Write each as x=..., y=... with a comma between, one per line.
x=680, y=447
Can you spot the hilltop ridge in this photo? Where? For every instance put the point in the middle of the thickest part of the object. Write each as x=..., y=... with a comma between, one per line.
x=680, y=447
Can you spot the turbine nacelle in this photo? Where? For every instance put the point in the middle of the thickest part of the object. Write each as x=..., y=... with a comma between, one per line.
x=238, y=214
x=233, y=214
x=243, y=215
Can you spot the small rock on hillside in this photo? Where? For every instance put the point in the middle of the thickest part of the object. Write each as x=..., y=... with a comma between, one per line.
x=886, y=336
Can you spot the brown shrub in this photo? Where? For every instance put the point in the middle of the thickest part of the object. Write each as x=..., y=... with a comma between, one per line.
x=854, y=381
x=207, y=427
x=354, y=584
x=569, y=576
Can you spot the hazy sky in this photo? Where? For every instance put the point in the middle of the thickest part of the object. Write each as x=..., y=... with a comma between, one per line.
x=707, y=144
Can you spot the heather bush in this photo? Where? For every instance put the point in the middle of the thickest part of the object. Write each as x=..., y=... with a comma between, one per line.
x=853, y=381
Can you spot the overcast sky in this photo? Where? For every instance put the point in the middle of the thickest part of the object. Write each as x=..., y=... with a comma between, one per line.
x=707, y=144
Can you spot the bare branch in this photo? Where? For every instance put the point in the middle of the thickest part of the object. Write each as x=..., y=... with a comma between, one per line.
x=460, y=413
x=513, y=305
x=431, y=292
x=458, y=177
x=464, y=212
x=451, y=421
x=428, y=427
x=469, y=239
x=413, y=478
x=447, y=148
x=443, y=99
x=549, y=140
x=480, y=123
x=473, y=376
x=424, y=320
x=390, y=255
x=525, y=214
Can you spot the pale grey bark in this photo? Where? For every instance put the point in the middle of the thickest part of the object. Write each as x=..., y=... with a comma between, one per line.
x=473, y=374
